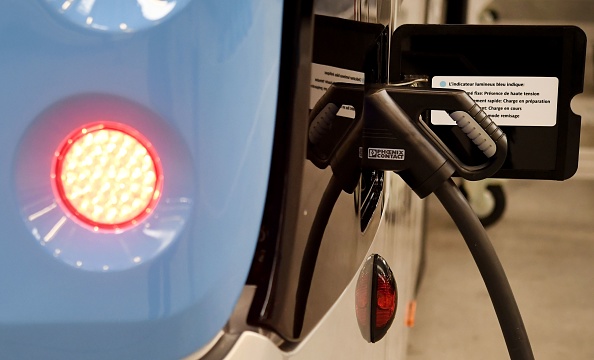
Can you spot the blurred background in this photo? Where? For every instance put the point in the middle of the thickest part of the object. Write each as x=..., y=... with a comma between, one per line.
x=544, y=238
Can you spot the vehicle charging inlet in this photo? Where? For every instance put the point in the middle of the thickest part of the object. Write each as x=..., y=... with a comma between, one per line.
x=387, y=134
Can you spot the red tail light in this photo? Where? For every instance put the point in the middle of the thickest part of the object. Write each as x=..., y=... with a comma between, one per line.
x=376, y=298
x=107, y=175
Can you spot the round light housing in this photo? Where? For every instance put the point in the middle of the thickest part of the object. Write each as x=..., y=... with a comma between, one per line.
x=107, y=175
x=376, y=297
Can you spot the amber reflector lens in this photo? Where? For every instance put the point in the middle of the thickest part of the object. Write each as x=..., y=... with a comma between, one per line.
x=107, y=175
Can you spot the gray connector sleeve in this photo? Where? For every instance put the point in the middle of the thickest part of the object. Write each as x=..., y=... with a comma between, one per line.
x=322, y=123
x=475, y=132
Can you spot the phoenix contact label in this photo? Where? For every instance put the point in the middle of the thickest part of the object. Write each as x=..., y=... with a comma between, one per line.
x=322, y=76
x=385, y=154
x=509, y=101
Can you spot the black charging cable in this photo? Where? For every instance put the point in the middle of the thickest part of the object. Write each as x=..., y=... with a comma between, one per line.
x=429, y=170
x=392, y=138
x=490, y=268
x=311, y=251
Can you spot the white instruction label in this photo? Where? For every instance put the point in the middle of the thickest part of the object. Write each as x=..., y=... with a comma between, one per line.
x=322, y=76
x=509, y=101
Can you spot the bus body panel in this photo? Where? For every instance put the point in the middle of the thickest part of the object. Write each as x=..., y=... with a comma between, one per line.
x=207, y=77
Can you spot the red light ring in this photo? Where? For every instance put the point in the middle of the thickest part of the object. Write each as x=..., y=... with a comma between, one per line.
x=60, y=191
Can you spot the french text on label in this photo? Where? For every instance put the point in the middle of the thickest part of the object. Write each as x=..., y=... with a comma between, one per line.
x=509, y=101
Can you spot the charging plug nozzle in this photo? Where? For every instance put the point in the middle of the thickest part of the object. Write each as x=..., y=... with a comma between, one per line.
x=392, y=141
x=396, y=138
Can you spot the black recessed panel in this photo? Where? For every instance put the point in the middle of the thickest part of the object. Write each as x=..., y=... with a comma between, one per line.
x=535, y=152
x=351, y=45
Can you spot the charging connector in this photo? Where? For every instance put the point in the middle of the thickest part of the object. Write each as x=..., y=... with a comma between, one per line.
x=388, y=134
x=395, y=138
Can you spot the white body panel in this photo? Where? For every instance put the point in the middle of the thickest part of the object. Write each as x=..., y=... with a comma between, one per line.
x=337, y=336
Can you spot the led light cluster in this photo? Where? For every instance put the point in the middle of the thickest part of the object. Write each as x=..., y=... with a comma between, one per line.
x=107, y=175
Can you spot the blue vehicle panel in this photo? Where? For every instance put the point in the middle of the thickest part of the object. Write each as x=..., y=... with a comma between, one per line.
x=199, y=80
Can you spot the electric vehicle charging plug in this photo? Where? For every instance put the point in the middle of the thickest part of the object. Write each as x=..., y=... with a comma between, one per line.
x=393, y=137
x=386, y=134
x=336, y=143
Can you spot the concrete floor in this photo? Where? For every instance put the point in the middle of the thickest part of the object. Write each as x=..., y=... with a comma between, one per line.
x=545, y=242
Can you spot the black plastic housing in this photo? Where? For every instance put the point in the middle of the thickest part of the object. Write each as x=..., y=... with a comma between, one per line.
x=535, y=152
x=279, y=264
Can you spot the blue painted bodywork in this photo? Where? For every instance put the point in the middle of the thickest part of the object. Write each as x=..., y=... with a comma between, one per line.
x=207, y=72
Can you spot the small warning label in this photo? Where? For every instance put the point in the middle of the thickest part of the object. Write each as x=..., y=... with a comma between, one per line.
x=509, y=101
x=385, y=154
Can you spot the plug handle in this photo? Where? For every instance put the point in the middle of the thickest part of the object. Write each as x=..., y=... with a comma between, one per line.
x=322, y=123
x=480, y=129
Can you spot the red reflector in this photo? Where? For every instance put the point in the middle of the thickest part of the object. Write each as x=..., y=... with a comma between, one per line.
x=386, y=301
x=363, y=298
x=107, y=175
x=376, y=298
